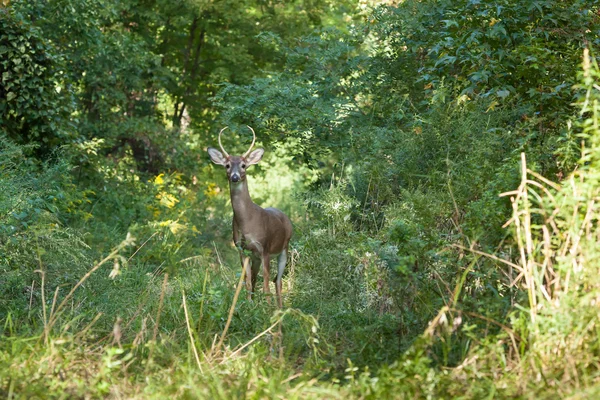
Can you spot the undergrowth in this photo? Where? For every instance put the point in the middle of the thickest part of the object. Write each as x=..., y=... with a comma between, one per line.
x=118, y=280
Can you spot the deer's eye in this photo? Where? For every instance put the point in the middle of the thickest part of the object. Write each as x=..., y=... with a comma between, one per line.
x=228, y=166
x=244, y=166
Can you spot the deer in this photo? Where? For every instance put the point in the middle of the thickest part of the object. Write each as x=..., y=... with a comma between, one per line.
x=265, y=232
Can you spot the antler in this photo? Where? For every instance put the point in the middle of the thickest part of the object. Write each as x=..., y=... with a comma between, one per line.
x=224, y=152
x=253, y=140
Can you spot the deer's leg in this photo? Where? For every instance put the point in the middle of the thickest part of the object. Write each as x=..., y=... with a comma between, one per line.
x=236, y=236
x=255, y=269
x=237, y=241
x=248, y=274
x=266, y=258
x=281, y=261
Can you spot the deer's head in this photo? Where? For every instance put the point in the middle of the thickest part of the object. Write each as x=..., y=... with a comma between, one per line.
x=236, y=165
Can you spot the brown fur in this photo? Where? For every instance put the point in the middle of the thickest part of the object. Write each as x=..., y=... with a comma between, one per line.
x=265, y=232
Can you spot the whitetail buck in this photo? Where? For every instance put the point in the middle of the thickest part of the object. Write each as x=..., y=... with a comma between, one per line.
x=265, y=232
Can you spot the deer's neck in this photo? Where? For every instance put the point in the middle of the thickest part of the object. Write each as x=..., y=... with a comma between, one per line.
x=240, y=201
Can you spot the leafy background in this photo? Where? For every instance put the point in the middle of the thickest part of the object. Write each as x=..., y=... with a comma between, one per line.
x=391, y=129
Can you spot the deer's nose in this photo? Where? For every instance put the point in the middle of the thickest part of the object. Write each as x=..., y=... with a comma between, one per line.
x=235, y=178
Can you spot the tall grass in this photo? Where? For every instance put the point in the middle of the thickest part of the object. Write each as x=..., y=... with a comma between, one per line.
x=159, y=325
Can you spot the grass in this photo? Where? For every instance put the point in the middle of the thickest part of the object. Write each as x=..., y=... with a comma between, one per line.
x=128, y=328
x=124, y=316
x=147, y=322
x=162, y=316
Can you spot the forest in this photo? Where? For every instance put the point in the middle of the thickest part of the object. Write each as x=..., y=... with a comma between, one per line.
x=439, y=161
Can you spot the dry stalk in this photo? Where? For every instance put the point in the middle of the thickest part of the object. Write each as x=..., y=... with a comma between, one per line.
x=232, y=308
x=143, y=244
x=269, y=329
x=54, y=300
x=508, y=330
x=43, y=289
x=493, y=257
x=160, y=306
x=82, y=333
x=157, y=322
x=434, y=323
x=546, y=181
x=189, y=329
x=31, y=294
x=54, y=316
x=201, y=314
x=523, y=233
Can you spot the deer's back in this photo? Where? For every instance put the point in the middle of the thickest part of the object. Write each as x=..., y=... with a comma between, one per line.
x=282, y=219
x=279, y=241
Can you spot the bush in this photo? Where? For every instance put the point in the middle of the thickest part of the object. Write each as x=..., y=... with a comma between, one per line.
x=37, y=100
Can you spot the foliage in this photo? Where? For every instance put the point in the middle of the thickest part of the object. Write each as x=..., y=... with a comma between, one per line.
x=389, y=131
x=33, y=203
x=36, y=103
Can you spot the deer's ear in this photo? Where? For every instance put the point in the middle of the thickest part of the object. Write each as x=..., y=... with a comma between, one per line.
x=255, y=156
x=216, y=156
